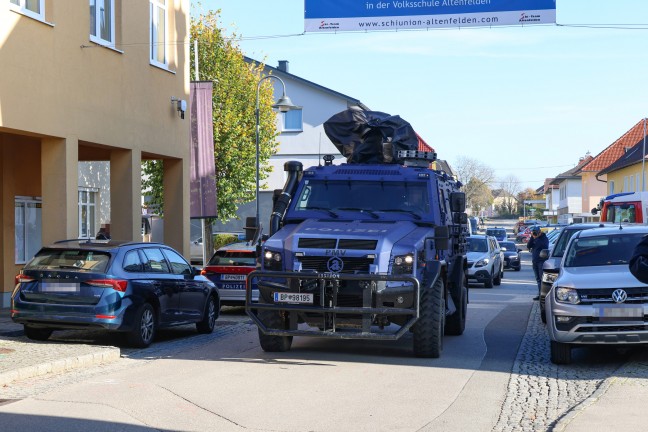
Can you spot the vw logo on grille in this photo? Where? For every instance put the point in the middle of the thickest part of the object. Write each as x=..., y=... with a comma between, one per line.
x=335, y=265
x=619, y=296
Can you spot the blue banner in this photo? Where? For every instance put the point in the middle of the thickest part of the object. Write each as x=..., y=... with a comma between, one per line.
x=362, y=15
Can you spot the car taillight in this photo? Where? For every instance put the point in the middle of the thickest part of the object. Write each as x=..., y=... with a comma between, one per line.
x=116, y=284
x=20, y=278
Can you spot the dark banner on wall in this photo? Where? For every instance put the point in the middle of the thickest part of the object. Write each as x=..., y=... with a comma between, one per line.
x=373, y=15
x=203, y=171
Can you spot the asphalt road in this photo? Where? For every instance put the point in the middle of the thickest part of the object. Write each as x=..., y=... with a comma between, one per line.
x=495, y=377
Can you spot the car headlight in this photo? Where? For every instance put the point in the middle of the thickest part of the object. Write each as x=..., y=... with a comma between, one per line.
x=549, y=278
x=567, y=295
x=482, y=262
x=272, y=260
x=403, y=264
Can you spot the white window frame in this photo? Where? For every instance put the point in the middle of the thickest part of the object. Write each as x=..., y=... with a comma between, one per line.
x=96, y=38
x=284, y=128
x=27, y=235
x=91, y=221
x=155, y=5
x=21, y=8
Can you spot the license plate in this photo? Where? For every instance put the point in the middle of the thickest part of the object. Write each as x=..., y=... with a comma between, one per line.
x=607, y=313
x=284, y=297
x=232, y=277
x=59, y=287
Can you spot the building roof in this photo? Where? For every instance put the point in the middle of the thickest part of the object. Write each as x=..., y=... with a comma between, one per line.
x=631, y=156
x=285, y=74
x=548, y=185
x=617, y=149
x=573, y=173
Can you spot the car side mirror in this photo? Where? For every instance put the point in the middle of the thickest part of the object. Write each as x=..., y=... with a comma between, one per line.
x=544, y=254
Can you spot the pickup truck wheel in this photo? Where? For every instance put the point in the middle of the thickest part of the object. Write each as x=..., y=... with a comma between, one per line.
x=429, y=329
x=560, y=353
x=273, y=320
x=456, y=323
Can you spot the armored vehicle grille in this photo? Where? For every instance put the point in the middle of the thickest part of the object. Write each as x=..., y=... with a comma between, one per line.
x=351, y=265
x=316, y=243
x=357, y=244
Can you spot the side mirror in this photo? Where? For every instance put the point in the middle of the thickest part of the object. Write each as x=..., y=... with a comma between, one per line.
x=458, y=202
x=595, y=210
x=544, y=254
x=250, y=228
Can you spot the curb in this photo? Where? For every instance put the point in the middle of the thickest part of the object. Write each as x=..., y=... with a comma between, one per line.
x=105, y=355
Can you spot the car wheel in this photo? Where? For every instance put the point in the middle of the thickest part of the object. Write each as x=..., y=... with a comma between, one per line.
x=456, y=323
x=144, y=329
x=560, y=353
x=488, y=283
x=518, y=268
x=208, y=322
x=543, y=316
x=429, y=328
x=502, y=272
x=38, y=334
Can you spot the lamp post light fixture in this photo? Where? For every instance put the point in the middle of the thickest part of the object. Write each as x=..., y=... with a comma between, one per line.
x=284, y=104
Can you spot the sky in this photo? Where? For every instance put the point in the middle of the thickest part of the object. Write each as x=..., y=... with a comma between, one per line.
x=525, y=101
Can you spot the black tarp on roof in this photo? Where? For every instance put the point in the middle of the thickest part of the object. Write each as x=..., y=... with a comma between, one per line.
x=370, y=136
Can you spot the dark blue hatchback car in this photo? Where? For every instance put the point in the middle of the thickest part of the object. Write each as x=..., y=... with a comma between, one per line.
x=122, y=286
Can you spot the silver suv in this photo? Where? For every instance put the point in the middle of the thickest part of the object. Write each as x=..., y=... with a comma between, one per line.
x=485, y=260
x=595, y=299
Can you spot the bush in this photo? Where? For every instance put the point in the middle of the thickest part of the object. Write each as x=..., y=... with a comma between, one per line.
x=221, y=240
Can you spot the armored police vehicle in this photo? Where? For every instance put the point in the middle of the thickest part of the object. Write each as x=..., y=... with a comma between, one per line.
x=364, y=250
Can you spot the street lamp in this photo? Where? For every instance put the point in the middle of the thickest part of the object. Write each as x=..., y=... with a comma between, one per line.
x=284, y=104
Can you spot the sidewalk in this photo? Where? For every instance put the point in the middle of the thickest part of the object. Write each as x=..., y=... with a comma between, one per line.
x=21, y=358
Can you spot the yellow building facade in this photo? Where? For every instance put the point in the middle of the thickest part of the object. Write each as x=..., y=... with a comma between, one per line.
x=89, y=80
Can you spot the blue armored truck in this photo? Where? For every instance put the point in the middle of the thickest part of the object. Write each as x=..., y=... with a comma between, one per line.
x=364, y=251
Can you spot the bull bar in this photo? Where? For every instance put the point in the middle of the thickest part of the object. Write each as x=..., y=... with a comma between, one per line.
x=328, y=288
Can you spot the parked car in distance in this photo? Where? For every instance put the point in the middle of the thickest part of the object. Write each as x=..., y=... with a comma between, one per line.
x=498, y=233
x=228, y=269
x=511, y=255
x=554, y=255
x=485, y=260
x=128, y=287
x=474, y=224
x=595, y=299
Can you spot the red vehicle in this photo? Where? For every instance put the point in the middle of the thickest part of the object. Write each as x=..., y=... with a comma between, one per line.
x=228, y=269
x=629, y=207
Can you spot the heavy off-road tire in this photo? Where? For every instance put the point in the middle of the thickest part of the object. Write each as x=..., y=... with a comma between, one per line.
x=273, y=320
x=456, y=323
x=429, y=329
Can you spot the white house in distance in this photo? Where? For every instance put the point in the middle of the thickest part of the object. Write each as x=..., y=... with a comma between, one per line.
x=301, y=136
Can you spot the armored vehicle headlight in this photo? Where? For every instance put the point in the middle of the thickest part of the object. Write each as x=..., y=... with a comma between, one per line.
x=567, y=295
x=272, y=260
x=403, y=264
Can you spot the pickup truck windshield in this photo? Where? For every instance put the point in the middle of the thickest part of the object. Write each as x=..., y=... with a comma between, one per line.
x=365, y=196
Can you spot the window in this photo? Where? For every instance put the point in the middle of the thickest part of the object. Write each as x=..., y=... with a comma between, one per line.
x=27, y=229
x=87, y=198
x=292, y=120
x=132, y=262
x=102, y=21
x=611, y=183
x=31, y=8
x=155, y=262
x=178, y=265
x=159, y=33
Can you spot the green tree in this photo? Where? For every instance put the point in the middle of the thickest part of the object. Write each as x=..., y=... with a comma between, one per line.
x=235, y=85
